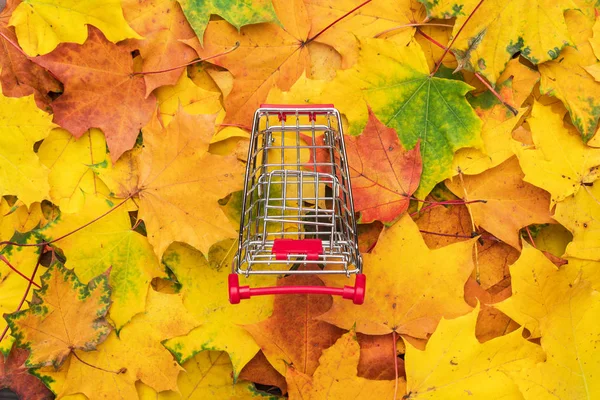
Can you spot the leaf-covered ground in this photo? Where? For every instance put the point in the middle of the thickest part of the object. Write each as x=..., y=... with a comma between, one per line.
x=474, y=152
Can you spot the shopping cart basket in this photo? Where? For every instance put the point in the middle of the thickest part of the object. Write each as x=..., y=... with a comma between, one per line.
x=297, y=208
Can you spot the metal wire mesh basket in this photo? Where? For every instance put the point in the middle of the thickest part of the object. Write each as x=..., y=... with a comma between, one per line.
x=297, y=208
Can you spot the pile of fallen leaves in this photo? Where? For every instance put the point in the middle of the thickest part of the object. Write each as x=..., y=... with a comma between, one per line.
x=471, y=129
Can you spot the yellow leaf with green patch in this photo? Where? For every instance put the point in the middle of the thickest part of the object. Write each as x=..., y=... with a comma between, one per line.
x=42, y=24
x=559, y=162
x=237, y=13
x=64, y=316
x=568, y=77
x=110, y=242
x=72, y=162
x=394, y=81
x=497, y=30
x=12, y=284
x=336, y=376
x=581, y=215
x=204, y=288
x=136, y=354
x=21, y=125
x=456, y=365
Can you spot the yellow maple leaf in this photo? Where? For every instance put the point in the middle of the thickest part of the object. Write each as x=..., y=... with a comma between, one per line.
x=186, y=94
x=494, y=31
x=136, y=354
x=64, y=316
x=569, y=336
x=21, y=125
x=41, y=25
x=71, y=162
x=336, y=376
x=581, y=215
x=208, y=375
x=413, y=286
x=456, y=365
x=204, y=289
x=510, y=204
x=559, y=163
x=538, y=287
x=109, y=243
x=181, y=183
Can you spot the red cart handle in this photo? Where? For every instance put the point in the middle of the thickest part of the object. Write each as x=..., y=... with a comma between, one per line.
x=355, y=293
x=297, y=108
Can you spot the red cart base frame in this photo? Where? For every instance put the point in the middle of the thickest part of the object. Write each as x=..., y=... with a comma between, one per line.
x=355, y=293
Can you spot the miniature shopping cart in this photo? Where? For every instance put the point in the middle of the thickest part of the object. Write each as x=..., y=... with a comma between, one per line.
x=297, y=211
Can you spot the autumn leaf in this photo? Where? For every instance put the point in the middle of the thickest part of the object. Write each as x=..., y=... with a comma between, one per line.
x=111, y=371
x=63, y=316
x=163, y=27
x=16, y=377
x=71, y=163
x=292, y=335
x=569, y=333
x=237, y=14
x=384, y=175
x=108, y=243
x=336, y=376
x=20, y=76
x=394, y=81
x=221, y=322
x=101, y=91
x=208, y=375
x=508, y=203
x=180, y=185
x=537, y=287
x=494, y=31
x=22, y=124
x=581, y=215
x=455, y=364
x=42, y=25
x=568, y=79
x=415, y=287
x=559, y=163
x=259, y=370
x=187, y=95
x=12, y=283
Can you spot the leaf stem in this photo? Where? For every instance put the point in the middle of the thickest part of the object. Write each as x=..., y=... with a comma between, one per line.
x=395, y=364
x=335, y=22
x=432, y=40
x=491, y=89
x=5, y=260
x=417, y=24
x=194, y=61
x=121, y=371
x=454, y=235
x=16, y=46
x=455, y=37
x=530, y=237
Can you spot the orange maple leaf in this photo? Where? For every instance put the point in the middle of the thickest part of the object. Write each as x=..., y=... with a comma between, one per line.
x=101, y=91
